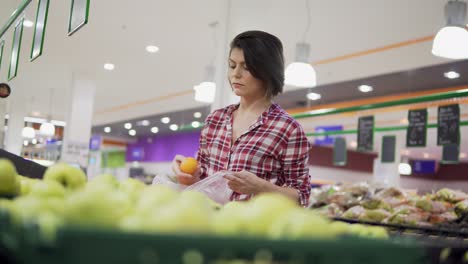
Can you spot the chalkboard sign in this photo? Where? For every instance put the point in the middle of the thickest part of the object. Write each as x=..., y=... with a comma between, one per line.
x=339, y=152
x=388, y=149
x=448, y=125
x=416, y=133
x=450, y=153
x=366, y=133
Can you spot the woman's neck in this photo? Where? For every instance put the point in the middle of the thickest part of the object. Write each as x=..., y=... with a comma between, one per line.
x=254, y=106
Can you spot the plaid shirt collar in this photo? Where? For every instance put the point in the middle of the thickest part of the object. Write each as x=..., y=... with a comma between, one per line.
x=272, y=109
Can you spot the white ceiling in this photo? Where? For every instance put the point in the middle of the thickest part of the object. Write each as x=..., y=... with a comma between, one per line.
x=119, y=30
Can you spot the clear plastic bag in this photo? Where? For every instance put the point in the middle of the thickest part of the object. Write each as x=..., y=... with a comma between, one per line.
x=214, y=186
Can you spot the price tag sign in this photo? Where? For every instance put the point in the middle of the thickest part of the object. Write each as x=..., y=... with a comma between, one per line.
x=366, y=133
x=76, y=152
x=416, y=134
x=388, y=149
x=339, y=152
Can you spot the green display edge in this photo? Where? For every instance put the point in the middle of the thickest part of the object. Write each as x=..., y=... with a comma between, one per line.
x=415, y=100
x=14, y=16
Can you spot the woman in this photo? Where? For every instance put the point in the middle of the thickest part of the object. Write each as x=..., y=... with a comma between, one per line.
x=263, y=148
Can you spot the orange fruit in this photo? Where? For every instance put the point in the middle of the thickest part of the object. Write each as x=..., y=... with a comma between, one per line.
x=188, y=165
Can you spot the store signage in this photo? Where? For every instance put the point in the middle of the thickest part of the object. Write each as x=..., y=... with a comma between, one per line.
x=388, y=149
x=137, y=153
x=78, y=15
x=448, y=125
x=366, y=133
x=39, y=29
x=2, y=44
x=339, y=152
x=95, y=142
x=326, y=139
x=424, y=166
x=76, y=153
x=14, y=59
x=416, y=133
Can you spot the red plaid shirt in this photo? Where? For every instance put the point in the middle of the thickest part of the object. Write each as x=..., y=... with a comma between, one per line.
x=274, y=148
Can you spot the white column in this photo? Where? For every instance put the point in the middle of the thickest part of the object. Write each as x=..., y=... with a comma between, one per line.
x=2, y=119
x=17, y=112
x=75, y=148
x=388, y=173
x=224, y=95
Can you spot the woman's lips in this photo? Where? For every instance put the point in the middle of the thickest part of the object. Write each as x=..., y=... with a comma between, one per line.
x=237, y=85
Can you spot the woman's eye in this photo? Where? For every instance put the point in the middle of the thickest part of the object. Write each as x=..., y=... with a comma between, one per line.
x=232, y=66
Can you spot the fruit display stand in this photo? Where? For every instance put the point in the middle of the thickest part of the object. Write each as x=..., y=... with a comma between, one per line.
x=101, y=246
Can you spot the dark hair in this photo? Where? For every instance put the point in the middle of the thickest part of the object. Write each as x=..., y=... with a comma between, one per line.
x=263, y=54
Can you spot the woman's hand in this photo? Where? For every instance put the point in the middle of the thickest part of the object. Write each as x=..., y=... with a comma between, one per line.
x=245, y=182
x=184, y=178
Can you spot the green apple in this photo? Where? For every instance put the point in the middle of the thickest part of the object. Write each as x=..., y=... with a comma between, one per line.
x=26, y=208
x=300, y=223
x=49, y=223
x=26, y=184
x=70, y=177
x=132, y=187
x=264, y=209
x=96, y=207
x=9, y=182
x=105, y=179
x=377, y=232
x=153, y=197
x=339, y=228
x=47, y=189
x=229, y=220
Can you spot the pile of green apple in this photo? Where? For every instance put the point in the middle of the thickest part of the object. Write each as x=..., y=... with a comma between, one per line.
x=65, y=198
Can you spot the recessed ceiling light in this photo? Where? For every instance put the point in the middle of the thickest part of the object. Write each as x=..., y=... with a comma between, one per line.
x=313, y=96
x=173, y=127
x=28, y=23
x=165, y=120
x=144, y=122
x=34, y=141
x=197, y=114
x=107, y=129
x=7, y=116
x=452, y=75
x=25, y=143
x=109, y=66
x=365, y=88
x=154, y=130
x=152, y=49
x=353, y=144
x=128, y=125
x=195, y=124
x=462, y=155
x=132, y=132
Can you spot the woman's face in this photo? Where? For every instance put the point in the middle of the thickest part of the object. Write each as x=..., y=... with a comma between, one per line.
x=242, y=82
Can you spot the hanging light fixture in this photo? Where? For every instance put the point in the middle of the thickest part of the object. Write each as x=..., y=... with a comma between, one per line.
x=205, y=91
x=300, y=73
x=47, y=128
x=451, y=41
x=28, y=132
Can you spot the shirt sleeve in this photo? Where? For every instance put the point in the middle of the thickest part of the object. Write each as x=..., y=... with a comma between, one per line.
x=295, y=164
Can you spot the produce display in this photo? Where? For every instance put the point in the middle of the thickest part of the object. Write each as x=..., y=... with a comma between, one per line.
x=64, y=198
x=365, y=202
